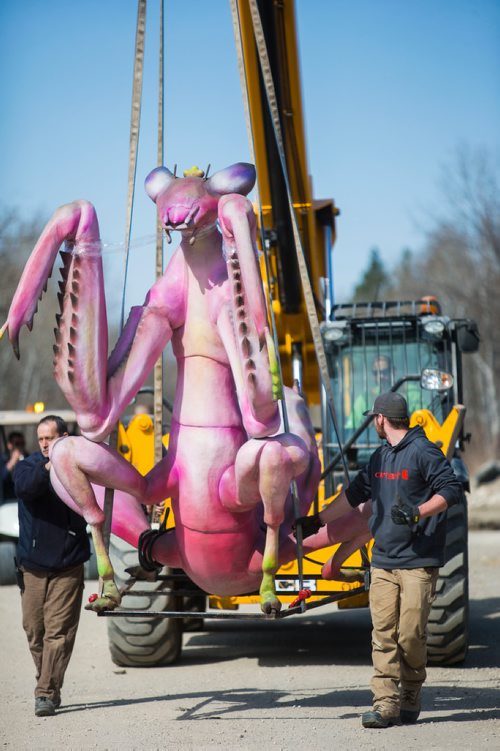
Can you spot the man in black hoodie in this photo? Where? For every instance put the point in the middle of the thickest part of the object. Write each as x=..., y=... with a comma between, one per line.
x=410, y=484
x=53, y=546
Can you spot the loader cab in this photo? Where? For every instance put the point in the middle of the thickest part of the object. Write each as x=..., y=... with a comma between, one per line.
x=376, y=347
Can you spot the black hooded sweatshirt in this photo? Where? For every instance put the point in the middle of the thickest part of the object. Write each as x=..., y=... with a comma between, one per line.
x=410, y=473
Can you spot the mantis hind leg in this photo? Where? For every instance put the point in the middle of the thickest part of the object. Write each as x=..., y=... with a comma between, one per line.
x=264, y=470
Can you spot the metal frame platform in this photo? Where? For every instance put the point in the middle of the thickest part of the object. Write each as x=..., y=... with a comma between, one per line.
x=302, y=607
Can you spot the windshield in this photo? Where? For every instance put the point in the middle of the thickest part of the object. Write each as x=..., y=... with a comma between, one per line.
x=370, y=360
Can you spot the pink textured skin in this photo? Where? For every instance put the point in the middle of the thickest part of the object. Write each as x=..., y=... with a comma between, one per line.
x=228, y=467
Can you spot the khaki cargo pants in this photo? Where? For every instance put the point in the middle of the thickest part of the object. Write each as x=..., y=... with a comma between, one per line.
x=400, y=602
x=51, y=605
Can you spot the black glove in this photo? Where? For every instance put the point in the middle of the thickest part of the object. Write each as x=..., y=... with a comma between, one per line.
x=405, y=514
x=310, y=525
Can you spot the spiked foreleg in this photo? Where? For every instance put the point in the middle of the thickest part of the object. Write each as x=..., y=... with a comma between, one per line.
x=99, y=390
x=244, y=324
x=75, y=223
x=97, y=393
x=81, y=347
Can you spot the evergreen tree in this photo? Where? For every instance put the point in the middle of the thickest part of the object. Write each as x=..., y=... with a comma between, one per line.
x=374, y=284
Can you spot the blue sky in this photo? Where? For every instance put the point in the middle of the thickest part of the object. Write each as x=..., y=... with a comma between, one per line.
x=391, y=89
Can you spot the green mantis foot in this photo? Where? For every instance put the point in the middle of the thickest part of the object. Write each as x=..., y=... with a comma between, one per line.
x=109, y=599
x=269, y=603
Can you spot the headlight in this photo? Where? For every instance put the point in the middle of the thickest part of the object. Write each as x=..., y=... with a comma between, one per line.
x=333, y=335
x=435, y=380
x=434, y=327
x=334, y=332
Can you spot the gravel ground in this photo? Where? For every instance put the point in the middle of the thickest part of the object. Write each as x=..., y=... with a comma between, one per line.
x=300, y=683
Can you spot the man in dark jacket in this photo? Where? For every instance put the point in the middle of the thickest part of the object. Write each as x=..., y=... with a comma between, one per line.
x=53, y=546
x=411, y=485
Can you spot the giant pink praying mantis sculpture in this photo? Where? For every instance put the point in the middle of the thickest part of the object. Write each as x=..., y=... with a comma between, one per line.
x=229, y=464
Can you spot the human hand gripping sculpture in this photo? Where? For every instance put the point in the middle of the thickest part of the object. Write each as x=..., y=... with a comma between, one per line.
x=229, y=465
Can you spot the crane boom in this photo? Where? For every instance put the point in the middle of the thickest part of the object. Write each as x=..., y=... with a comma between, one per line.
x=315, y=219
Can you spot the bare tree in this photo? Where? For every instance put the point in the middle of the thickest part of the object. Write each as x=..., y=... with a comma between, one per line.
x=460, y=264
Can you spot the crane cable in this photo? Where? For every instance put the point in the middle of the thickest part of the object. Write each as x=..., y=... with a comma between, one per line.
x=158, y=369
x=135, y=120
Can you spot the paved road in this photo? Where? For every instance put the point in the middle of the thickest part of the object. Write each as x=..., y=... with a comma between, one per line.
x=299, y=683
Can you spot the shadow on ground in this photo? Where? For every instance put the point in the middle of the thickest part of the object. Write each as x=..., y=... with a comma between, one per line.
x=457, y=704
x=484, y=649
x=341, y=638
x=338, y=638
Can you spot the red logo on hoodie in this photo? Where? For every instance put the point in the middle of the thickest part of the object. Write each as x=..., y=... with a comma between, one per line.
x=404, y=475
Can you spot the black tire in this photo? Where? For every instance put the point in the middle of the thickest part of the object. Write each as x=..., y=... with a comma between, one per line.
x=195, y=603
x=7, y=565
x=448, y=627
x=142, y=642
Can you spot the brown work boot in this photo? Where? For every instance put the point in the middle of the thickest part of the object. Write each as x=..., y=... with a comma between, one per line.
x=380, y=717
x=410, y=704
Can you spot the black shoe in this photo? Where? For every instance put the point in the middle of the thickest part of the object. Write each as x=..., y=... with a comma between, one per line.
x=409, y=716
x=44, y=707
x=56, y=701
x=410, y=705
x=377, y=718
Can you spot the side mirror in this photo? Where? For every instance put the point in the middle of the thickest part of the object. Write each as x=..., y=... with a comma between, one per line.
x=435, y=380
x=468, y=336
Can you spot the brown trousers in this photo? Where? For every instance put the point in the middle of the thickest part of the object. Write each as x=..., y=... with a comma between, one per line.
x=51, y=605
x=400, y=602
